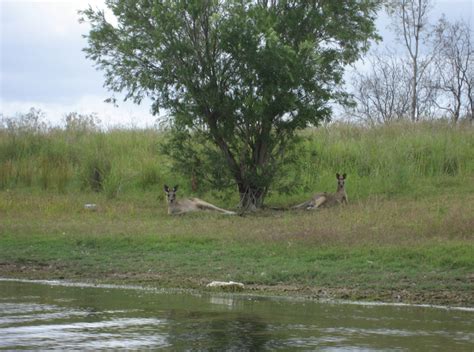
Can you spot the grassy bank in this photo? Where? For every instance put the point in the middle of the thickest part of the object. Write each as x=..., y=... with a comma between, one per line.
x=400, y=159
x=405, y=236
x=409, y=250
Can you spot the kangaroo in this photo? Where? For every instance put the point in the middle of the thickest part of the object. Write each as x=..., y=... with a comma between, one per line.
x=188, y=205
x=325, y=199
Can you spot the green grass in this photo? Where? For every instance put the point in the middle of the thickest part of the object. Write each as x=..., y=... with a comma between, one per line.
x=399, y=159
x=373, y=248
x=407, y=231
x=389, y=161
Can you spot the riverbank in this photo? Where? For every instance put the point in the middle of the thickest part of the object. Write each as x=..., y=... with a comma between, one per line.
x=395, y=250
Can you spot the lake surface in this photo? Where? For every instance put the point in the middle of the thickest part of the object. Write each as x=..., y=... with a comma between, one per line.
x=55, y=315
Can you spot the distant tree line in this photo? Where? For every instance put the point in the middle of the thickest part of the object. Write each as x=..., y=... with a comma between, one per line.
x=433, y=77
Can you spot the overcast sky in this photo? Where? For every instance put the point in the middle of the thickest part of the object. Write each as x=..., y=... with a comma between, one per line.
x=42, y=64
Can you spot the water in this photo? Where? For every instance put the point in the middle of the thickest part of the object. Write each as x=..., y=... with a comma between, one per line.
x=52, y=315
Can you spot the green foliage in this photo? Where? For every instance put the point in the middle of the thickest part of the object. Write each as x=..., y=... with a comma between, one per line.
x=389, y=161
x=245, y=75
x=198, y=160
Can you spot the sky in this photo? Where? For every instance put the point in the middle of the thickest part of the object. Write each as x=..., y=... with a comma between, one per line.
x=42, y=64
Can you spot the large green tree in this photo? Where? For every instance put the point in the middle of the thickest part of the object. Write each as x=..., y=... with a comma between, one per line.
x=247, y=74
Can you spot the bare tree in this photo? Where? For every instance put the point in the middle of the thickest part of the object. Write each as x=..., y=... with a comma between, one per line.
x=469, y=79
x=453, y=65
x=382, y=89
x=428, y=95
x=468, y=73
x=410, y=19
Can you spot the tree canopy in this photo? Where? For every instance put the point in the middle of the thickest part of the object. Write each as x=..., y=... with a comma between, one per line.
x=246, y=74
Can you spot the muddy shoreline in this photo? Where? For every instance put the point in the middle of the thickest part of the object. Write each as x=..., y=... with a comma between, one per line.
x=442, y=297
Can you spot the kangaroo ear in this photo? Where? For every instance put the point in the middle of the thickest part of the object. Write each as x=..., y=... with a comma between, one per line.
x=166, y=188
x=175, y=188
x=337, y=176
x=344, y=176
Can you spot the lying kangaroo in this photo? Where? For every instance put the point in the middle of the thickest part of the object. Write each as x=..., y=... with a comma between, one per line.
x=327, y=199
x=176, y=207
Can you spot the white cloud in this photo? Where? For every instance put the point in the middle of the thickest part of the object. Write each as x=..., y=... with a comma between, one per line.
x=52, y=18
x=42, y=64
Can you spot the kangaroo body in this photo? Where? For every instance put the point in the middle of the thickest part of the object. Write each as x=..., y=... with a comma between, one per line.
x=325, y=199
x=187, y=205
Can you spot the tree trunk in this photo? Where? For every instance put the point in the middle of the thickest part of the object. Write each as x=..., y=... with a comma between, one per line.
x=457, y=108
x=251, y=197
x=470, y=96
x=414, y=96
x=472, y=113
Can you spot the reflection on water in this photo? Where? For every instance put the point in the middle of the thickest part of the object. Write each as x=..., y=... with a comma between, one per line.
x=49, y=315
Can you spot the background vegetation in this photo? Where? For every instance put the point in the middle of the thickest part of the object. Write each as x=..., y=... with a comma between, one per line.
x=428, y=71
x=394, y=160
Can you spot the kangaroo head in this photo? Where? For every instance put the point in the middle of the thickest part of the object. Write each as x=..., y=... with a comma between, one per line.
x=170, y=193
x=341, y=180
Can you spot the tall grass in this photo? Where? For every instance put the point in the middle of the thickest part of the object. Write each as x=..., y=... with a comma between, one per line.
x=397, y=159
x=61, y=160
x=393, y=160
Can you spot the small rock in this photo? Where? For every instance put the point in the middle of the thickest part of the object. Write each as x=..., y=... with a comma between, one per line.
x=227, y=285
x=90, y=206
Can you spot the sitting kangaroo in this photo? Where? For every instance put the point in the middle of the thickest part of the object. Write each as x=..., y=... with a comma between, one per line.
x=176, y=207
x=327, y=199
